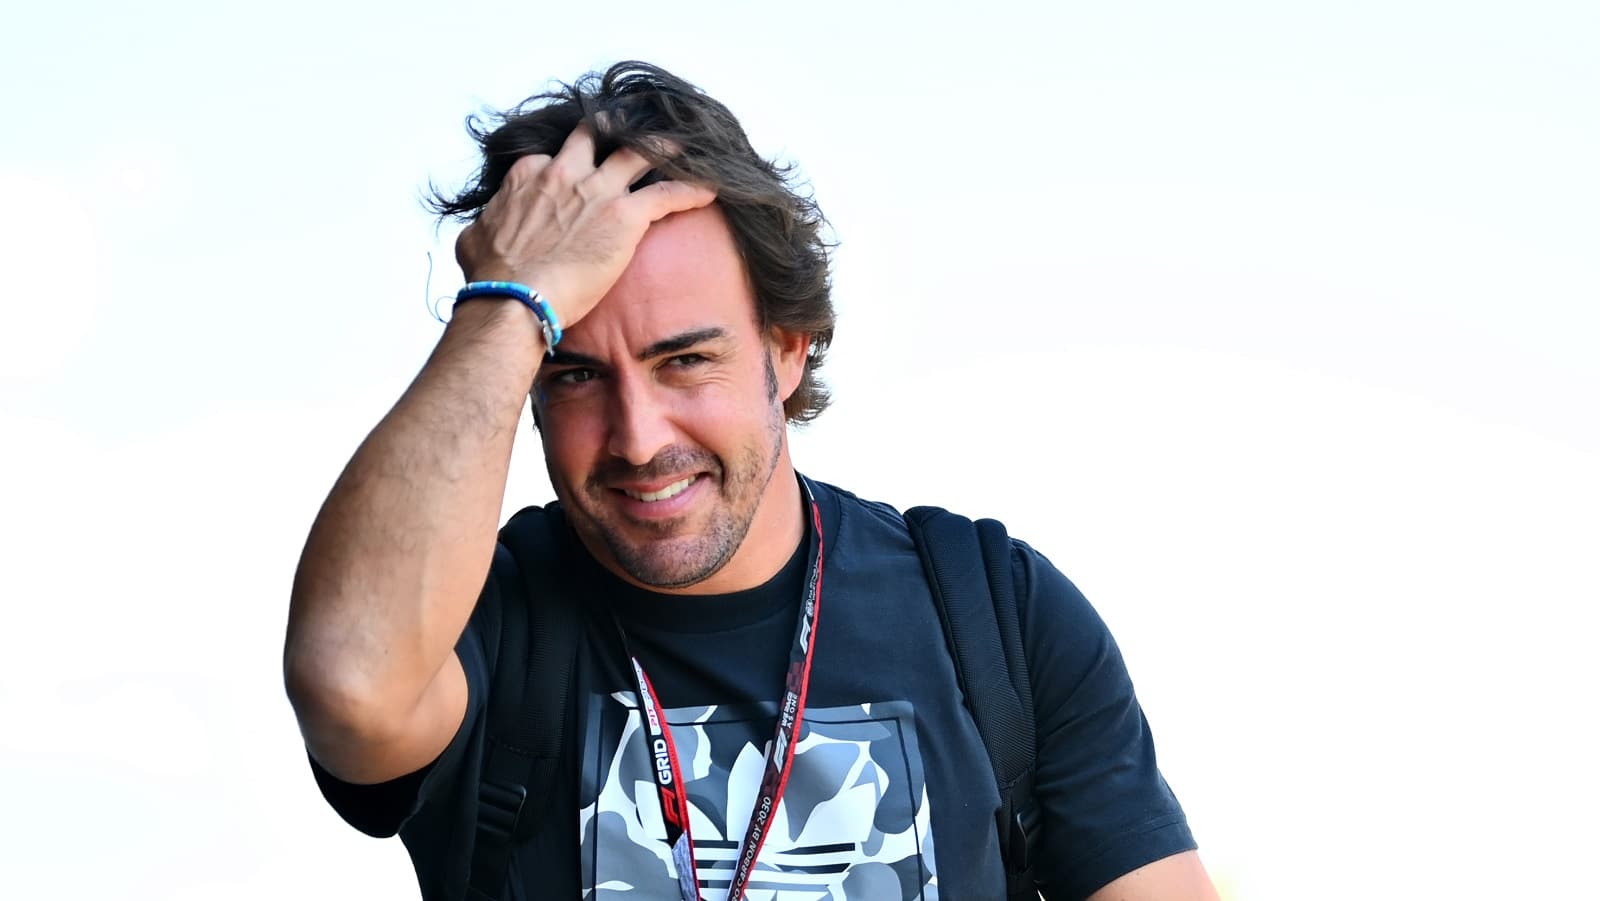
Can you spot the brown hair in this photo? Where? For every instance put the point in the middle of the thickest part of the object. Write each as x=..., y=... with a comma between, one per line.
x=777, y=228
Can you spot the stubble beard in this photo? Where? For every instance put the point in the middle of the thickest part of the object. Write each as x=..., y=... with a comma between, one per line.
x=674, y=556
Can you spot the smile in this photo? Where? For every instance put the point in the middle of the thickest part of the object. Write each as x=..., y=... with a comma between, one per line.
x=670, y=491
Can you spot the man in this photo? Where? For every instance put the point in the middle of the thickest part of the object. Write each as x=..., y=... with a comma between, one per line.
x=726, y=735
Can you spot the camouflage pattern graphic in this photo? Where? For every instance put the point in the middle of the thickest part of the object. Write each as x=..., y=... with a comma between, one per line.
x=853, y=822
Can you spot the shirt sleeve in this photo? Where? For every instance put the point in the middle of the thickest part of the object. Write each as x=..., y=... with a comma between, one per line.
x=1102, y=808
x=383, y=809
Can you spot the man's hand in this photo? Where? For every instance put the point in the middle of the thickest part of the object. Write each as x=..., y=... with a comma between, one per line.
x=567, y=228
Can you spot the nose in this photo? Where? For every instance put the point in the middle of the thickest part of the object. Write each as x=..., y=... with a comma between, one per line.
x=639, y=426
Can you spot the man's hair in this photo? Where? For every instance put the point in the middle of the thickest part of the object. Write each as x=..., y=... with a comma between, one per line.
x=777, y=228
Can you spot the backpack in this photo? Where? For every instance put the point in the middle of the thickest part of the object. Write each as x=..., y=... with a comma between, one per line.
x=969, y=569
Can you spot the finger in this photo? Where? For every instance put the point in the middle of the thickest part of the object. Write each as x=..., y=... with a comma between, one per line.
x=664, y=198
x=620, y=170
x=575, y=161
x=524, y=168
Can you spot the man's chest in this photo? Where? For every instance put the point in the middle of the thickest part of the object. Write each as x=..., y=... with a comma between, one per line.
x=853, y=820
x=885, y=765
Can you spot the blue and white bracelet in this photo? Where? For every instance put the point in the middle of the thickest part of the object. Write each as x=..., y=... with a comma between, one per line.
x=528, y=296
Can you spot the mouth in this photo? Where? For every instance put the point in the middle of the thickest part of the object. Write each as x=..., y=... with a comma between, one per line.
x=666, y=492
x=659, y=500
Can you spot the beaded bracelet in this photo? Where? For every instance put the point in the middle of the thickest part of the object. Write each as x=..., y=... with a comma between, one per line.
x=528, y=296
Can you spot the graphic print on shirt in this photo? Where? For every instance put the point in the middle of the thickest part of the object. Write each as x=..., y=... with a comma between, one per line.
x=852, y=825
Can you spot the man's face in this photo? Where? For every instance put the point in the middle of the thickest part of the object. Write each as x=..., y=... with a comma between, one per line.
x=662, y=413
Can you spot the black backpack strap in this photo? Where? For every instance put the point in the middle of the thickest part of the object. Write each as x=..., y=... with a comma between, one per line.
x=969, y=569
x=529, y=705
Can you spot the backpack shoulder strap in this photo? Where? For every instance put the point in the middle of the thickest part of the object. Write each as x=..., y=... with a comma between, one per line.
x=530, y=702
x=969, y=569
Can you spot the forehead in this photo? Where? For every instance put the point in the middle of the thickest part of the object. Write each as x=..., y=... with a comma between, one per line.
x=685, y=274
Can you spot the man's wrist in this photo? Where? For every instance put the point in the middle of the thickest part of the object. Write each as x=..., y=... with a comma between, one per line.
x=549, y=323
x=500, y=313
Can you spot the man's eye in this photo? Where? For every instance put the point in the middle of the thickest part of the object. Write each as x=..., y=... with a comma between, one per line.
x=572, y=376
x=687, y=360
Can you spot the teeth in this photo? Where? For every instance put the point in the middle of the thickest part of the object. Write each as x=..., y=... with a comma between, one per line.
x=672, y=490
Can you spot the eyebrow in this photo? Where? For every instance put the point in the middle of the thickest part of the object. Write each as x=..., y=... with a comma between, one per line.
x=681, y=341
x=674, y=344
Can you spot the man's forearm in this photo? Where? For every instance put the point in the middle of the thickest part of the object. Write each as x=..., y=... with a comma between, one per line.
x=398, y=554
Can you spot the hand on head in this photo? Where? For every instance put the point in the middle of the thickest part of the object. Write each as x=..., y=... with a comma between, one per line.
x=567, y=227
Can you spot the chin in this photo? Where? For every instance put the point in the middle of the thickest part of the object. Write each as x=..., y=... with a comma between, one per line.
x=672, y=563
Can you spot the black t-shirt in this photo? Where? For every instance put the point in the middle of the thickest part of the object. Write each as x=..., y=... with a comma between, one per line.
x=891, y=794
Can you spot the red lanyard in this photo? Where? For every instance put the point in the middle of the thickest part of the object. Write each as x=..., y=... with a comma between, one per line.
x=670, y=788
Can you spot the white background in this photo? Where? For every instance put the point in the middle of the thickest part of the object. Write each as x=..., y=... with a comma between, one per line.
x=1273, y=325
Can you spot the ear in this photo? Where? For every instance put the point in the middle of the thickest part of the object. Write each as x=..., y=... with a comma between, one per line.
x=789, y=351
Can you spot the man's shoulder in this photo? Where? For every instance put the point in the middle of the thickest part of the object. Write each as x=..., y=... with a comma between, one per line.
x=866, y=519
x=536, y=519
x=851, y=504
x=536, y=539
x=893, y=518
